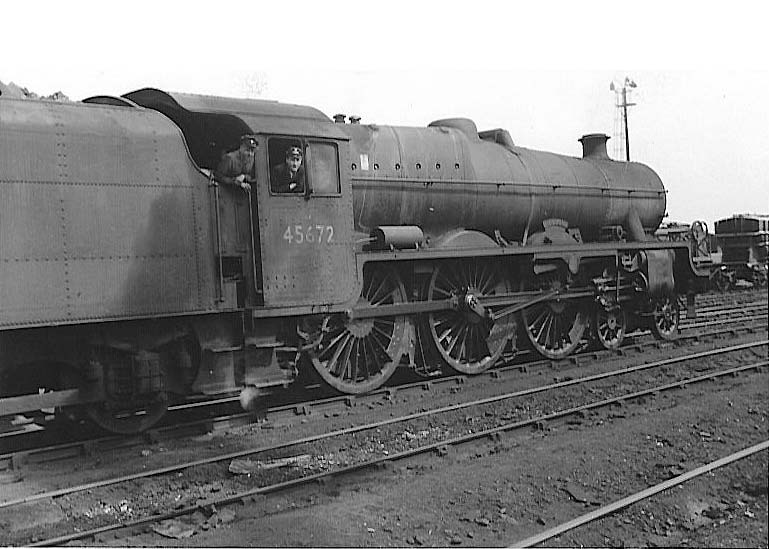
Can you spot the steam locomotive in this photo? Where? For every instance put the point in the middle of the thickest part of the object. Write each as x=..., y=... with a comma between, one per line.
x=132, y=278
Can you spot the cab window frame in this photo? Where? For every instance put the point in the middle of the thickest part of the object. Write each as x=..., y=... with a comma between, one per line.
x=276, y=157
x=338, y=174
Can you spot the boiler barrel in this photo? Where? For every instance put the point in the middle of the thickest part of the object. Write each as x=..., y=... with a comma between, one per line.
x=445, y=176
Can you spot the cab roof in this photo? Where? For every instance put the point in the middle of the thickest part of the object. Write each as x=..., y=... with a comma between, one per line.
x=214, y=124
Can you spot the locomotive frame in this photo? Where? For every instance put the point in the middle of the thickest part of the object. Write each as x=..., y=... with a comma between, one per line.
x=222, y=289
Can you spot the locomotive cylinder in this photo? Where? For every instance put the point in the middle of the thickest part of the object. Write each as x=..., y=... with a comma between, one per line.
x=445, y=176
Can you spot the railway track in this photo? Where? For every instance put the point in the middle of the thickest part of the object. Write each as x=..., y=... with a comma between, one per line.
x=492, y=428
x=748, y=308
x=39, y=444
x=639, y=496
x=35, y=445
x=740, y=296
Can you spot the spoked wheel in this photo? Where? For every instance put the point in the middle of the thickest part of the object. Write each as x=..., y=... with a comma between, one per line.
x=467, y=340
x=610, y=326
x=357, y=356
x=554, y=327
x=665, y=318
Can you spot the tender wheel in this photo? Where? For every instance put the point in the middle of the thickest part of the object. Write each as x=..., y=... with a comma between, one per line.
x=665, y=318
x=554, y=327
x=359, y=356
x=759, y=279
x=610, y=326
x=466, y=340
x=722, y=282
x=127, y=421
x=113, y=417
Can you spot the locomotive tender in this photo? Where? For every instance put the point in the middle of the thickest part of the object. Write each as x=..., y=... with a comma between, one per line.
x=131, y=278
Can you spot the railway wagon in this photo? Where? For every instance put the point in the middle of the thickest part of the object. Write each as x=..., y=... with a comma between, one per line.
x=131, y=278
x=743, y=240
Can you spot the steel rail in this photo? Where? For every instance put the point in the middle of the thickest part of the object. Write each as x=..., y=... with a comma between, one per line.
x=638, y=496
x=730, y=306
x=359, y=428
x=70, y=397
x=304, y=407
x=299, y=408
x=732, y=312
x=244, y=496
x=721, y=322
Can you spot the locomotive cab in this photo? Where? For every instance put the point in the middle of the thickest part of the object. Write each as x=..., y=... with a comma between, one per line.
x=304, y=223
x=283, y=243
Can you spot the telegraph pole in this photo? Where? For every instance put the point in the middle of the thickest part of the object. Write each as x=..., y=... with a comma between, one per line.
x=622, y=103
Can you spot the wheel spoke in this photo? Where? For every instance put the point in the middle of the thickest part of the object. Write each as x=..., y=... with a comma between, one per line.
x=546, y=319
x=382, y=290
x=556, y=334
x=377, y=357
x=540, y=319
x=486, y=282
x=335, y=361
x=452, y=341
x=341, y=334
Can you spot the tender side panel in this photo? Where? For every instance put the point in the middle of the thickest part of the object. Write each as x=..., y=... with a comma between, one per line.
x=102, y=216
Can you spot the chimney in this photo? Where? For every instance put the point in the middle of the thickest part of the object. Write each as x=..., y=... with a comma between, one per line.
x=354, y=119
x=594, y=146
x=339, y=118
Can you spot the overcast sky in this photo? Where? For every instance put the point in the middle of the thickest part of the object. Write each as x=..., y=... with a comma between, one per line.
x=541, y=70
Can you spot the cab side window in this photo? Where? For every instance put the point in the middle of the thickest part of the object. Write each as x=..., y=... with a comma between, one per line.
x=324, y=167
x=287, y=166
x=295, y=164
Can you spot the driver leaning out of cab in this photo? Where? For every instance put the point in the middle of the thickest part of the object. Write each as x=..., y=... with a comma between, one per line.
x=237, y=168
x=288, y=177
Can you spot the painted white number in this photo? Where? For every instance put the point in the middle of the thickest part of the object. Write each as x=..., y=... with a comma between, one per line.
x=299, y=234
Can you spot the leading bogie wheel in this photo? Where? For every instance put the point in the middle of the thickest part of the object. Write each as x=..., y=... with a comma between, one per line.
x=665, y=318
x=359, y=356
x=610, y=326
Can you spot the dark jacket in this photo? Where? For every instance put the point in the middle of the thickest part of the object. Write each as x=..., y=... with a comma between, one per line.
x=282, y=182
x=232, y=165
